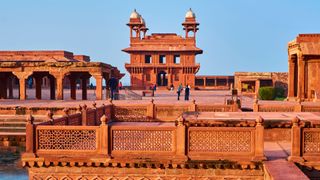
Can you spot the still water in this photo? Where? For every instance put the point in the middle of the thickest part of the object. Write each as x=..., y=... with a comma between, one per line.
x=10, y=167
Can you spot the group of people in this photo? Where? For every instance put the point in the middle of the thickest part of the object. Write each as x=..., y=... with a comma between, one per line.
x=186, y=92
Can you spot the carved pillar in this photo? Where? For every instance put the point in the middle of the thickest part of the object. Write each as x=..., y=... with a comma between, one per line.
x=30, y=144
x=10, y=87
x=300, y=77
x=84, y=88
x=73, y=87
x=98, y=86
x=103, y=149
x=291, y=78
x=52, y=88
x=204, y=82
x=59, y=85
x=215, y=81
x=38, y=80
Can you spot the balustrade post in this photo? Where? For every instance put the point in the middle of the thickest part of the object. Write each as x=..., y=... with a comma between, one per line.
x=259, y=139
x=193, y=106
x=66, y=115
x=296, y=141
x=50, y=117
x=112, y=113
x=104, y=133
x=95, y=119
x=30, y=135
x=150, y=109
x=298, y=107
x=255, y=105
x=181, y=140
x=84, y=115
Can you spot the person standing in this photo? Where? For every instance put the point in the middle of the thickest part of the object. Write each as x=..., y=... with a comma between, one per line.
x=113, y=86
x=187, y=93
x=179, y=91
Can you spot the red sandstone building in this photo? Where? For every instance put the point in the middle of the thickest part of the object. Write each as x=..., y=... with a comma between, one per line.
x=163, y=59
x=58, y=68
x=304, y=66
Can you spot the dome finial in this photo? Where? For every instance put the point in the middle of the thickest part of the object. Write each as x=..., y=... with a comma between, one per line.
x=190, y=14
x=134, y=14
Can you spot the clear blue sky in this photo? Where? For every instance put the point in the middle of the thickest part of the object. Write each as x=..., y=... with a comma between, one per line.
x=235, y=35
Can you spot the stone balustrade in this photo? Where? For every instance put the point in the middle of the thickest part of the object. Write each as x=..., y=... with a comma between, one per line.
x=285, y=107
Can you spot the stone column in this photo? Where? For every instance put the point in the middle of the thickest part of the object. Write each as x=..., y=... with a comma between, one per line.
x=73, y=88
x=107, y=86
x=301, y=82
x=84, y=88
x=59, y=85
x=3, y=89
x=291, y=78
x=257, y=86
x=204, y=82
x=38, y=80
x=10, y=87
x=296, y=141
x=215, y=81
x=52, y=88
x=98, y=86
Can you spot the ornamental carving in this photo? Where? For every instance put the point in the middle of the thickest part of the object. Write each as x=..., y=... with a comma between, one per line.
x=55, y=139
x=142, y=140
x=135, y=114
x=311, y=142
x=220, y=141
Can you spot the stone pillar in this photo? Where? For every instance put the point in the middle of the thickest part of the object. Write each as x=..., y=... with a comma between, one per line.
x=103, y=149
x=52, y=88
x=84, y=88
x=107, y=88
x=215, y=81
x=73, y=87
x=204, y=82
x=10, y=87
x=59, y=85
x=300, y=62
x=38, y=80
x=22, y=88
x=291, y=78
x=3, y=89
x=257, y=86
x=98, y=86
x=30, y=144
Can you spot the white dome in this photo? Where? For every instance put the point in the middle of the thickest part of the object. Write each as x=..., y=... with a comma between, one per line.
x=190, y=14
x=134, y=14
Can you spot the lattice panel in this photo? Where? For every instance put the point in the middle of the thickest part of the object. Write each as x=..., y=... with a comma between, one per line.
x=170, y=111
x=310, y=109
x=131, y=114
x=142, y=140
x=220, y=141
x=273, y=108
x=55, y=139
x=91, y=115
x=312, y=142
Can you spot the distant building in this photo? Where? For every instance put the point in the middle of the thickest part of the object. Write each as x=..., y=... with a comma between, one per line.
x=163, y=59
x=304, y=67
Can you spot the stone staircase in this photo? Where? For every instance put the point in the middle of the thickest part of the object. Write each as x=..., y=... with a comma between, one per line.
x=129, y=95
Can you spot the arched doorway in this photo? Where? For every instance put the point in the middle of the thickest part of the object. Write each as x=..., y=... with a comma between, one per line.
x=9, y=86
x=40, y=85
x=162, y=79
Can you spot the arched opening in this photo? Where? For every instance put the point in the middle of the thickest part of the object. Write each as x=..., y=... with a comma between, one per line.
x=9, y=86
x=41, y=85
x=162, y=79
x=77, y=84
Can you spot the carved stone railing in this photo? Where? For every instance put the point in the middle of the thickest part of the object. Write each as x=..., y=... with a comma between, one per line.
x=171, y=143
x=290, y=107
x=305, y=142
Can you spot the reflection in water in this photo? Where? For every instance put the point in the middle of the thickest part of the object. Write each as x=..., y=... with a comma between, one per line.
x=10, y=166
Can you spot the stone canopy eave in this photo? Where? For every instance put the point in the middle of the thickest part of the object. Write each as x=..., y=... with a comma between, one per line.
x=129, y=50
